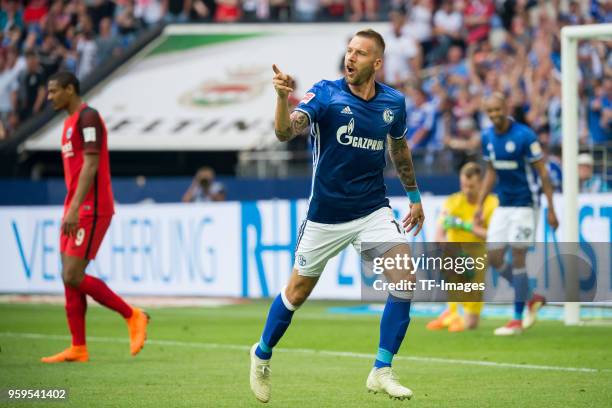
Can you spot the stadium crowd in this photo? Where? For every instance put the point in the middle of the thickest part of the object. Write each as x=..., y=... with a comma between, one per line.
x=447, y=58
x=445, y=55
x=39, y=37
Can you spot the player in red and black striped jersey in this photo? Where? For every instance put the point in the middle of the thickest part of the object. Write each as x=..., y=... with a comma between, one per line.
x=88, y=210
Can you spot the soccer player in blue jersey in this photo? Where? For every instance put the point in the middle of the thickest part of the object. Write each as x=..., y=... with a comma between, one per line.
x=514, y=157
x=352, y=120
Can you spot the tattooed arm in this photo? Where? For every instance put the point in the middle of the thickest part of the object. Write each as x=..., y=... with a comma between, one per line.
x=286, y=126
x=402, y=160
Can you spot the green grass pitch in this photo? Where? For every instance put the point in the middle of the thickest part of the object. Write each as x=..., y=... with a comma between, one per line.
x=197, y=357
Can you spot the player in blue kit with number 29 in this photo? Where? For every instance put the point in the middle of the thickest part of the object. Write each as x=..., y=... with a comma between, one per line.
x=352, y=120
x=514, y=158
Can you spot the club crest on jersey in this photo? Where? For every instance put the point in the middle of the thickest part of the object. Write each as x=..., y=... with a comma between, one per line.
x=345, y=137
x=388, y=116
x=301, y=260
x=308, y=97
x=69, y=133
x=510, y=146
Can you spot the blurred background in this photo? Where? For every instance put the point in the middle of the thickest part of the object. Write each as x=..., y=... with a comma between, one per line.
x=445, y=56
x=184, y=87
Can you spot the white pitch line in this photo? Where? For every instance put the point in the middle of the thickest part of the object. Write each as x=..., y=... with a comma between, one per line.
x=313, y=351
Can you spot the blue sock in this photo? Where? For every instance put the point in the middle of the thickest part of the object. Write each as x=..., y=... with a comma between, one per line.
x=518, y=310
x=393, y=326
x=521, y=291
x=279, y=318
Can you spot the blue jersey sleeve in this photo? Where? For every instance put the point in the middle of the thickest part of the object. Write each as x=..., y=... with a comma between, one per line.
x=398, y=129
x=532, y=149
x=315, y=102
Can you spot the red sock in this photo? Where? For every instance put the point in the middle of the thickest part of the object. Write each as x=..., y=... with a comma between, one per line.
x=76, y=306
x=102, y=294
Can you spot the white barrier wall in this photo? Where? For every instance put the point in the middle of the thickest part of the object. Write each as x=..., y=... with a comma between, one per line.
x=217, y=249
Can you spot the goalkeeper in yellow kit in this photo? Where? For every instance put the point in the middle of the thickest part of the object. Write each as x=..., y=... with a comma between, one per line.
x=456, y=224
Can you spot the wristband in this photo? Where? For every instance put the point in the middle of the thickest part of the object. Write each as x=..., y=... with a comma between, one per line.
x=468, y=226
x=414, y=196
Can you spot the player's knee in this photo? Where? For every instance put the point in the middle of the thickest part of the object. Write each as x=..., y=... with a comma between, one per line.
x=72, y=277
x=297, y=294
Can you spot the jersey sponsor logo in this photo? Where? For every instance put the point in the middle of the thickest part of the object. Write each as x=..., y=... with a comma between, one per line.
x=510, y=146
x=347, y=110
x=308, y=97
x=388, y=116
x=69, y=133
x=505, y=164
x=345, y=137
x=67, y=149
x=89, y=134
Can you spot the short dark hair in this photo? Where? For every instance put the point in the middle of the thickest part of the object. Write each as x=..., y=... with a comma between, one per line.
x=471, y=169
x=373, y=35
x=65, y=78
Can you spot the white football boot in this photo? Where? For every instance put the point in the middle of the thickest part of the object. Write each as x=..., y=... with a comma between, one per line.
x=260, y=376
x=384, y=380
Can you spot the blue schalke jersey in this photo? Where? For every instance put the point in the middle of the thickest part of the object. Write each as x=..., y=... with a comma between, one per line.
x=511, y=154
x=348, y=136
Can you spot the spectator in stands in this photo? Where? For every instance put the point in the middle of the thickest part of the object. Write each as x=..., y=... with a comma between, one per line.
x=477, y=17
x=107, y=43
x=306, y=10
x=204, y=187
x=420, y=119
x=29, y=95
x=11, y=15
x=35, y=11
x=420, y=25
x=228, y=11
x=86, y=47
x=447, y=27
x=127, y=23
x=363, y=9
x=402, y=53
x=50, y=55
x=100, y=9
x=150, y=11
x=589, y=181
x=176, y=11
x=280, y=10
x=600, y=113
x=463, y=141
x=332, y=10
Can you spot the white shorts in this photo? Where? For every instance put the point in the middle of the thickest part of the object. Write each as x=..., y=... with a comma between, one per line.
x=318, y=243
x=514, y=226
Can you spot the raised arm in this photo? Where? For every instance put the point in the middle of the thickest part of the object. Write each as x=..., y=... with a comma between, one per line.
x=402, y=160
x=286, y=125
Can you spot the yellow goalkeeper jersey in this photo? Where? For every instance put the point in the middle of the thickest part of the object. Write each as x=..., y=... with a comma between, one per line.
x=458, y=206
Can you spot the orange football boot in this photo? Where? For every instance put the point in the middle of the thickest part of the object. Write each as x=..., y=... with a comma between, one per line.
x=137, y=327
x=457, y=325
x=442, y=321
x=72, y=353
